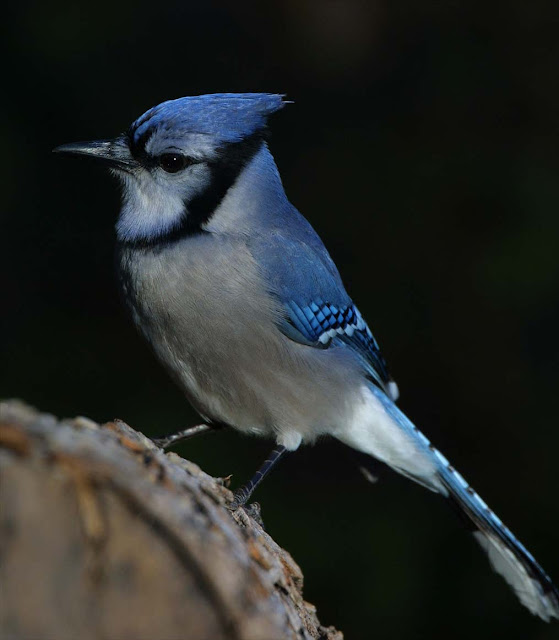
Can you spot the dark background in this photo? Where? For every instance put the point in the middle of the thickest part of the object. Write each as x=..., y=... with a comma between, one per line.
x=422, y=146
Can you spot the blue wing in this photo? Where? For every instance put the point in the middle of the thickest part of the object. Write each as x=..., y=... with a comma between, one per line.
x=318, y=311
x=323, y=324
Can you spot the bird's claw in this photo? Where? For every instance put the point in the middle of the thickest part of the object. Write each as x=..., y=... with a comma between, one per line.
x=252, y=510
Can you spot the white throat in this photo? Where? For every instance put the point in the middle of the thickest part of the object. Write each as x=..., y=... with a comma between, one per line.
x=153, y=205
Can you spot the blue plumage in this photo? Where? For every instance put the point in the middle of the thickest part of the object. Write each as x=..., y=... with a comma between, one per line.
x=533, y=583
x=320, y=321
x=241, y=301
x=318, y=310
x=227, y=117
x=323, y=325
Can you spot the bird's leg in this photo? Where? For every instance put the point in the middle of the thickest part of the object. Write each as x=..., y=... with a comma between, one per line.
x=242, y=495
x=164, y=442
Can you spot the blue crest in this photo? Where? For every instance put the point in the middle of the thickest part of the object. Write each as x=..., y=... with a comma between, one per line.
x=229, y=117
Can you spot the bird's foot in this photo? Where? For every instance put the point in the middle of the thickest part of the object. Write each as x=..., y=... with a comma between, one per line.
x=252, y=510
x=162, y=443
x=240, y=497
x=166, y=441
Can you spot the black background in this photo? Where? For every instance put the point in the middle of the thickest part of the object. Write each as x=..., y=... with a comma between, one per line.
x=422, y=145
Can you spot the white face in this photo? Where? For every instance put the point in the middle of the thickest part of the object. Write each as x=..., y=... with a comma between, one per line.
x=156, y=193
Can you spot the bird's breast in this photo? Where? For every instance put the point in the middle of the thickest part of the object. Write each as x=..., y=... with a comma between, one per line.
x=205, y=310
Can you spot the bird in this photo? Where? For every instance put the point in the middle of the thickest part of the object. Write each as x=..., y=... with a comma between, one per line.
x=241, y=302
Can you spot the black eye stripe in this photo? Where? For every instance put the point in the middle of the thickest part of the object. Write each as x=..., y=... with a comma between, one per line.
x=223, y=172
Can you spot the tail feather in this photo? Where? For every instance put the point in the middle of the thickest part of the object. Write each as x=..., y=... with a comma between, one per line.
x=507, y=555
x=391, y=437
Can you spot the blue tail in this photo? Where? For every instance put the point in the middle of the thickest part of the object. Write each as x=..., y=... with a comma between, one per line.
x=507, y=555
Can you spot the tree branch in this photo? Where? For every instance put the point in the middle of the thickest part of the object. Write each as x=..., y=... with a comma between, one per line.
x=102, y=535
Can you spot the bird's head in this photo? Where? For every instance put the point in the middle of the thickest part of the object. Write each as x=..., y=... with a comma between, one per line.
x=177, y=160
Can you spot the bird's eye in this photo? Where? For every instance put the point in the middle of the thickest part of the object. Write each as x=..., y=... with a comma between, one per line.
x=173, y=162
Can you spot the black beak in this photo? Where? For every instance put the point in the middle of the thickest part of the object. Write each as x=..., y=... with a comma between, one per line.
x=115, y=153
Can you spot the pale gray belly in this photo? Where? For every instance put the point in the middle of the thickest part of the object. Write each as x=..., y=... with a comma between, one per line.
x=209, y=319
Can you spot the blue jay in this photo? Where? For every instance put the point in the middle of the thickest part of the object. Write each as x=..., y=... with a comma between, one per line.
x=240, y=300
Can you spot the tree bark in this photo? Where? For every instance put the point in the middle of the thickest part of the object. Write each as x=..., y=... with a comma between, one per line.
x=103, y=535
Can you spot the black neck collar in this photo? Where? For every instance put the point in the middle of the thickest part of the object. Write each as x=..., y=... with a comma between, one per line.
x=224, y=171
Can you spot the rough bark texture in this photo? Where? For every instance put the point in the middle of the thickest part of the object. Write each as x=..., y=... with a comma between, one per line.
x=102, y=535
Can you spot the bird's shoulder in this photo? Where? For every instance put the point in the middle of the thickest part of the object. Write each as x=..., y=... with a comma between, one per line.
x=318, y=311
